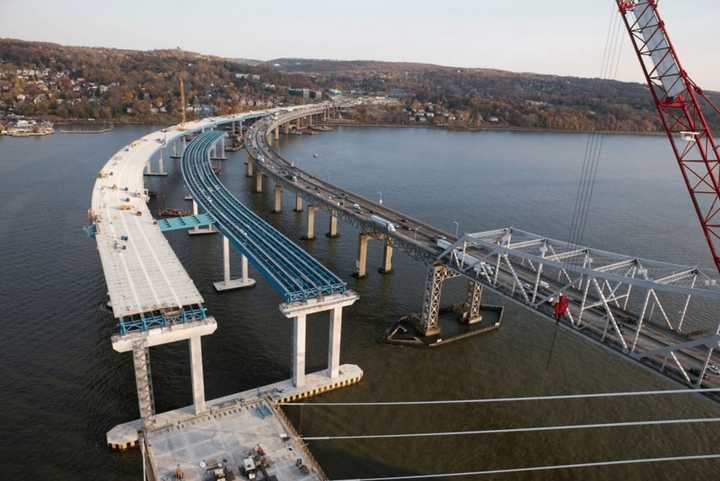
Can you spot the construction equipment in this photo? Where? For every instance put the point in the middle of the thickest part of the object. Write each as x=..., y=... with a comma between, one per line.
x=679, y=103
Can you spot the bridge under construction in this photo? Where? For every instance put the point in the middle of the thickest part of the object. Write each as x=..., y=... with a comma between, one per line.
x=634, y=307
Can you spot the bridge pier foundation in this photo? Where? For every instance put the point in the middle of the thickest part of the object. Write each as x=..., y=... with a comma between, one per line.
x=387, y=257
x=277, y=133
x=249, y=168
x=298, y=202
x=286, y=128
x=310, y=234
x=228, y=284
x=277, y=208
x=258, y=182
x=333, y=228
x=200, y=230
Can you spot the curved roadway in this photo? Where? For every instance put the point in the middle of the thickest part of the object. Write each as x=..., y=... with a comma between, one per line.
x=295, y=274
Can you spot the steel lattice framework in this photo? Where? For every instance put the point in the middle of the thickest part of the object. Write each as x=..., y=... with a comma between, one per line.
x=636, y=306
x=679, y=103
x=291, y=271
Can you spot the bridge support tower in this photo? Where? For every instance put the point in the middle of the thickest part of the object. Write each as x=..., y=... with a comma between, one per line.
x=298, y=312
x=228, y=284
x=139, y=344
x=298, y=202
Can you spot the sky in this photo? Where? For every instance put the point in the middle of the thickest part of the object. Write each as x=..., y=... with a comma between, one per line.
x=554, y=36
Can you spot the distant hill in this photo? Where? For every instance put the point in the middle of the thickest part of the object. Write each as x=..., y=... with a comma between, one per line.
x=41, y=79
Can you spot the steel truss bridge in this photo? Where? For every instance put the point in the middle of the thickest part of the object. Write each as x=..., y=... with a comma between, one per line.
x=638, y=308
x=291, y=271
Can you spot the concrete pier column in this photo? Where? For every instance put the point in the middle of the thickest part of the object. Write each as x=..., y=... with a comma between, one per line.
x=363, y=240
x=143, y=382
x=226, y=259
x=174, y=151
x=249, y=168
x=298, y=360
x=473, y=301
x=196, y=371
x=258, y=182
x=298, y=202
x=333, y=227
x=184, y=145
x=310, y=235
x=278, y=198
x=277, y=133
x=244, y=269
x=334, y=342
x=387, y=257
x=287, y=128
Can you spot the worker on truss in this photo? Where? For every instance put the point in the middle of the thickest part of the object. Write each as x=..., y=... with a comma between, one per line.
x=561, y=306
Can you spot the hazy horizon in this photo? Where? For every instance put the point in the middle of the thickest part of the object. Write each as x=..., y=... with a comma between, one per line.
x=464, y=34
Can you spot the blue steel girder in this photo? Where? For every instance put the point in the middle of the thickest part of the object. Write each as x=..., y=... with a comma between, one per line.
x=184, y=223
x=291, y=271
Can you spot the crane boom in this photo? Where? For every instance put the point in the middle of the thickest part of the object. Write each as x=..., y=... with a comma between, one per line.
x=679, y=103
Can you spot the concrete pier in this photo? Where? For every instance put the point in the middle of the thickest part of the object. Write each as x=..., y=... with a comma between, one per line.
x=298, y=202
x=258, y=182
x=249, y=168
x=387, y=257
x=298, y=351
x=333, y=227
x=229, y=284
x=334, y=343
x=310, y=234
x=196, y=373
x=363, y=240
x=277, y=208
x=298, y=312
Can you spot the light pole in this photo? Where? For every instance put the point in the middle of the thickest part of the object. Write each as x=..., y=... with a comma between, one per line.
x=457, y=228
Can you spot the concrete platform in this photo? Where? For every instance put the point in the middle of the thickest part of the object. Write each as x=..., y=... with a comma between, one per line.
x=203, y=231
x=222, y=286
x=228, y=436
x=125, y=435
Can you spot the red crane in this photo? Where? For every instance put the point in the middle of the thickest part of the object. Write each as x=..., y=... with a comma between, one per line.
x=679, y=103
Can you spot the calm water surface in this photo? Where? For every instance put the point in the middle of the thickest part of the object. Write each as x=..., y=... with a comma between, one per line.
x=62, y=387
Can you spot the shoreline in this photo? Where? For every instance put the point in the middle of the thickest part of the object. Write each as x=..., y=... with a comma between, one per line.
x=336, y=123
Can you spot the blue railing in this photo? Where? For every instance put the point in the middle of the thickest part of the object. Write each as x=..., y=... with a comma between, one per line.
x=291, y=271
x=149, y=320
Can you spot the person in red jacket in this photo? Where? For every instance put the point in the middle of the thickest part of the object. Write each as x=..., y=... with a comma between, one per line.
x=561, y=306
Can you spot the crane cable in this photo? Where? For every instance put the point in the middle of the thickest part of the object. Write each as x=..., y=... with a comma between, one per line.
x=510, y=399
x=556, y=467
x=612, y=54
x=531, y=429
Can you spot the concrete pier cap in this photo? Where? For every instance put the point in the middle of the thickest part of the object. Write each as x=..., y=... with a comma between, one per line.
x=164, y=335
x=319, y=304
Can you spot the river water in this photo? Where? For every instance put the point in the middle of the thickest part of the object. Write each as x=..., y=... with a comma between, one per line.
x=62, y=386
